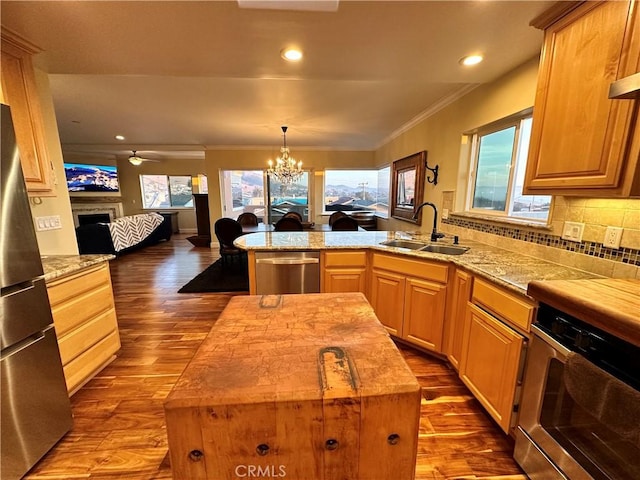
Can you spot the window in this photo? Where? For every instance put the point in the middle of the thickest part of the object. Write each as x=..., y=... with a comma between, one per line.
x=289, y=198
x=243, y=191
x=166, y=191
x=498, y=163
x=357, y=190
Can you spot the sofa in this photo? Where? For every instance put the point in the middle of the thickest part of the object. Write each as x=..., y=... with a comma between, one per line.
x=124, y=234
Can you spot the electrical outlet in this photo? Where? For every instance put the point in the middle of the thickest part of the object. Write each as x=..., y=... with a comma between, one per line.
x=573, y=231
x=445, y=213
x=52, y=222
x=612, y=237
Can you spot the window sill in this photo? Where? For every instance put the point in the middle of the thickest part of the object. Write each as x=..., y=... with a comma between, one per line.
x=513, y=222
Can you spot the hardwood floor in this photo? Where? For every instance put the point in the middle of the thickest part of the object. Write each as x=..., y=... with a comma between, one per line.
x=119, y=430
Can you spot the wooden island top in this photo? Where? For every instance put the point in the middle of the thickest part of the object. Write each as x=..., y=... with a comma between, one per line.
x=313, y=380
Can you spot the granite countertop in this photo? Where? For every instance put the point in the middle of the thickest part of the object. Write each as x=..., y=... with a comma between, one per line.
x=56, y=266
x=511, y=270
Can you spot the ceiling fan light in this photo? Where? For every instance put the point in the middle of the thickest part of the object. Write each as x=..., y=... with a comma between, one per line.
x=135, y=161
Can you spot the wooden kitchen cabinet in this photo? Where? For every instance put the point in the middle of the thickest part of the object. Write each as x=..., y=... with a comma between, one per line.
x=343, y=271
x=85, y=321
x=496, y=329
x=387, y=299
x=19, y=91
x=409, y=298
x=582, y=142
x=456, y=312
x=490, y=364
x=424, y=305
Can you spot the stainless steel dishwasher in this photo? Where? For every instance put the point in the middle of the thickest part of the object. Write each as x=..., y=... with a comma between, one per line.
x=287, y=272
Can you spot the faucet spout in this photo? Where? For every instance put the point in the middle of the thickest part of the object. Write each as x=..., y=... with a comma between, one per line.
x=435, y=235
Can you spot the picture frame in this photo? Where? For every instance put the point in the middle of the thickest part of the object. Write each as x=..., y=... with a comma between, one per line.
x=407, y=187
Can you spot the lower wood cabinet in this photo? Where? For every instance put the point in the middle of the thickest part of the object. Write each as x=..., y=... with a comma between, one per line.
x=456, y=312
x=491, y=365
x=409, y=298
x=85, y=321
x=387, y=299
x=344, y=271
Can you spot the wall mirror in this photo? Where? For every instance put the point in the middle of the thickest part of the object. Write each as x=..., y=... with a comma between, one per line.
x=407, y=188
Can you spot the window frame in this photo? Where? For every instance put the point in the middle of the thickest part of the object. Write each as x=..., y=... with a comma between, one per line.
x=475, y=136
x=377, y=170
x=168, y=177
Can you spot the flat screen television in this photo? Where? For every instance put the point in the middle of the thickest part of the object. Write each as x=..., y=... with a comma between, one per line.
x=91, y=178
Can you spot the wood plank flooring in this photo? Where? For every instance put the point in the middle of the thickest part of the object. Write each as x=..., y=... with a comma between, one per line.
x=119, y=430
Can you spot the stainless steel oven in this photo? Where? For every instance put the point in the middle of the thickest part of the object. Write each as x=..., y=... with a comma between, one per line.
x=580, y=410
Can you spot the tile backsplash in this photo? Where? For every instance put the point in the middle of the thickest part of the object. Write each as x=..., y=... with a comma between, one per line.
x=590, y=254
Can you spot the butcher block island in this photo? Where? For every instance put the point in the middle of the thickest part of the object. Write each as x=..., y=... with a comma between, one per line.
x=295, y=386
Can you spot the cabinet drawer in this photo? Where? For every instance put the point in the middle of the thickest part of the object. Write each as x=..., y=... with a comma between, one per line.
x=83, y=366
x=345, y=259
x=412, y=268
x=74, y=285
x=508, y=307
x=75, y=312
x=86, y=336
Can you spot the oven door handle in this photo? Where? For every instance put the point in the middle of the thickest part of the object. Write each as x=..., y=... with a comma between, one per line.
x=549, y=340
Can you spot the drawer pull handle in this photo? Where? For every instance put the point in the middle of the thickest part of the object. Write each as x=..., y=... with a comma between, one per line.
x=262, y=449
x=332, y=444
x=195, y=455
x=393, y=439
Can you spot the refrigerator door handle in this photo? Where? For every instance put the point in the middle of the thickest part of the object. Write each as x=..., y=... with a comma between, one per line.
x=18, y=347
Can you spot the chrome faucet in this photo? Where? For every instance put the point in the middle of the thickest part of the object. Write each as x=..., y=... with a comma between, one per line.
x=434, y=234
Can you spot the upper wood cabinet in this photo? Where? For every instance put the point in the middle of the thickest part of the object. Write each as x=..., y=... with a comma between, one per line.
x=19, y=91
x=583, y=143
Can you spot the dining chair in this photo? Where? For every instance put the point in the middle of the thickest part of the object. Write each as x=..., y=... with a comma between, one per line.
x=227, y=230
x=293, y=214
x=248, y=219
x=336, y=215
x=345, y=223
x=288, y=224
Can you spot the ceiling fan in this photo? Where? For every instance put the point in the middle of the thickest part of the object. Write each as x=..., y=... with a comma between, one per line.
x=136, y=160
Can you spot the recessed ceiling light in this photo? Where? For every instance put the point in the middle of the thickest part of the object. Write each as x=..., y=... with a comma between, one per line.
x=471, y=60
x=291, y=54
x=119, y=137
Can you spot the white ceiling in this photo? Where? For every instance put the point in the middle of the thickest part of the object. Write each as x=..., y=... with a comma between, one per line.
x=180, y=76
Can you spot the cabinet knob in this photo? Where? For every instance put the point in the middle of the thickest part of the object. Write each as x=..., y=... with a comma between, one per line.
x=331, y=444
x=393, y=439
x=262, y=449
x=195, y=455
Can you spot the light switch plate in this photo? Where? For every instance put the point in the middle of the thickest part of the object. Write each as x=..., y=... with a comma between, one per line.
x=445, y=213
x=573, y=231
x=52, y=222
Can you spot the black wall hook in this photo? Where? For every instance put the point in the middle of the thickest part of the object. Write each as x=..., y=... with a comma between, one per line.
x=433, y=170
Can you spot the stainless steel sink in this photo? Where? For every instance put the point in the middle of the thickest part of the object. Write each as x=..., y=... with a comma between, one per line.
x=411, y=245
x=444, y=249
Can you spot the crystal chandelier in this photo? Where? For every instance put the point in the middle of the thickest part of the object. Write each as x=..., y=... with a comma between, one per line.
x=286, y=169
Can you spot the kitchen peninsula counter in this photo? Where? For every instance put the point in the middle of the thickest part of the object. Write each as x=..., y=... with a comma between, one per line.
x=56, y=266
x=512, y=270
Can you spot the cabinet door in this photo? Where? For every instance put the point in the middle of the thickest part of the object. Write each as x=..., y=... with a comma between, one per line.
x=387, y=299
x=20, y=92
x=344, y=280
x=581, y=141
x=424, y=313
x=490, y=363
x=460, y=295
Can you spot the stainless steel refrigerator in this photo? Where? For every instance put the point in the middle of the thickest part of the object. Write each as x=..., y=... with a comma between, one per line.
x=35, y=409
